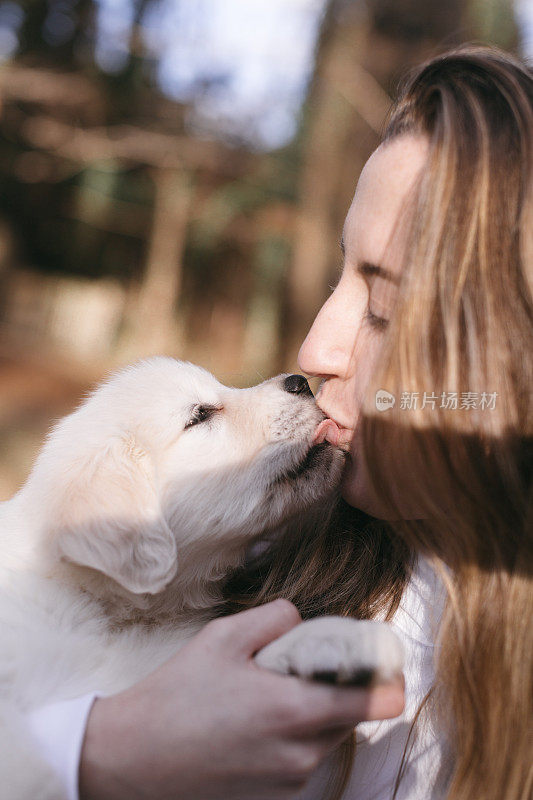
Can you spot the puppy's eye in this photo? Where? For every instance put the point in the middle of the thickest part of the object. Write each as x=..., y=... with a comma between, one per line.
x=201, y=414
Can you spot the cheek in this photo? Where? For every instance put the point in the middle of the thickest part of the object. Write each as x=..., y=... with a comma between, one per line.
x=244, y=434
x=202, y=451
x=366, y=355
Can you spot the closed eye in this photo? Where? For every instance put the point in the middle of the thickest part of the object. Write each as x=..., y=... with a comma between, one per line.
x=380, y=323
x=201, y=413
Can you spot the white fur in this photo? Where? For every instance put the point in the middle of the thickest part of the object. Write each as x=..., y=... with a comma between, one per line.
x=114, y=551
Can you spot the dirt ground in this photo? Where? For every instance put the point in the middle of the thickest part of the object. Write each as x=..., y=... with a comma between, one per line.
x=34, y=393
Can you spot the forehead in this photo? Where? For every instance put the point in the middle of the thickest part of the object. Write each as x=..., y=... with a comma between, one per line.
x=381, y=194
x=159, y=382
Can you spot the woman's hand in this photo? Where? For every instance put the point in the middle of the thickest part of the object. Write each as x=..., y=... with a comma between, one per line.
x=211, y=725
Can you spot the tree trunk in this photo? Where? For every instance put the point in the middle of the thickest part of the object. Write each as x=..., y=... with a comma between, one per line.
x=153, y=328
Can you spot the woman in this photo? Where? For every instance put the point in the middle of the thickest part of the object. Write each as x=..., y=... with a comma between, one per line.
x=435, y=306
x=435, y=298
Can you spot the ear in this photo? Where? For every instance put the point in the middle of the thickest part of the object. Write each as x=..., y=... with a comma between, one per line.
x=108, y=517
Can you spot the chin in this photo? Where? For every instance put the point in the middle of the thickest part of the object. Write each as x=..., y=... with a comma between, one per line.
x=355, y=493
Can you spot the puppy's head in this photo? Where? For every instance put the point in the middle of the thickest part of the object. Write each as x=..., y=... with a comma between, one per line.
x=162, y=464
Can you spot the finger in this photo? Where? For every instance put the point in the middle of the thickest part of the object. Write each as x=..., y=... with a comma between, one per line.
x=330, y=707
x=386, y=701
x=250, y=630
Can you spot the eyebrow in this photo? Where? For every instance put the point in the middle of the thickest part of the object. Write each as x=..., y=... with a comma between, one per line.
x=372, y=270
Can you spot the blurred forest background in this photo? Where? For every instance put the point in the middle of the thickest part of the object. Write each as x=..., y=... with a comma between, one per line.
x=174, y=176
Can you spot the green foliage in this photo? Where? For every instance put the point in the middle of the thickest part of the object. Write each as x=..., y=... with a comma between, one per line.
x=493, y=21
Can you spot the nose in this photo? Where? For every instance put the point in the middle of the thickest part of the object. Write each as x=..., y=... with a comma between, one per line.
x=329, y=346
x=297, y=384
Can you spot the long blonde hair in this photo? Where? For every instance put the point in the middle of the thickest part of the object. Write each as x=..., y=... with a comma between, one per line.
x=463, y=324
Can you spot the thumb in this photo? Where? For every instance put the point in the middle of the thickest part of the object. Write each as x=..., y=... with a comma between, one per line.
x=254, y=628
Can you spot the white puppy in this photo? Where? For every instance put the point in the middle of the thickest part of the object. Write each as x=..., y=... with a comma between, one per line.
x=140, y=503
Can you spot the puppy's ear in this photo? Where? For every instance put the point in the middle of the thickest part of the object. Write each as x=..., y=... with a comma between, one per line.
x=108, y=517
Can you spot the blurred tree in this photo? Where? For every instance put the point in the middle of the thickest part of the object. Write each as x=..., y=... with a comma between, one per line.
x=57, y=33
x=100, y=178
x=155, y=329
x=102, y=174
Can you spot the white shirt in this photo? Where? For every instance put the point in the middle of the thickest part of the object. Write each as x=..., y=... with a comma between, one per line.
x=60, y=728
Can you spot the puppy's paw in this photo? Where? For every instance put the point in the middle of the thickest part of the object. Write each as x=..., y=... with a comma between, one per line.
x=337, y=650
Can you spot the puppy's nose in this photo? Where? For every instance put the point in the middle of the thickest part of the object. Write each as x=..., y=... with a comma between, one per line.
x=297, y=384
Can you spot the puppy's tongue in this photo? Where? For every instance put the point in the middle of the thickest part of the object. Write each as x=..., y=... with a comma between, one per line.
x=327, y=431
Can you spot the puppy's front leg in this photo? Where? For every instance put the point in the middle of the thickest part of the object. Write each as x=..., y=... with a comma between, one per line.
x=337, y=650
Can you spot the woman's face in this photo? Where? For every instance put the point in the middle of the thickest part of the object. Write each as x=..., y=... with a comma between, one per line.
x=344, y=343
